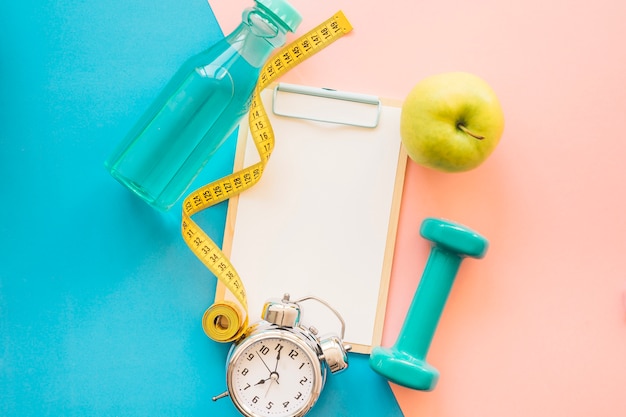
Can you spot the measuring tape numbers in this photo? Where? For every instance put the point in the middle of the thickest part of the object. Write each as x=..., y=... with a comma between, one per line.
x=226, y=321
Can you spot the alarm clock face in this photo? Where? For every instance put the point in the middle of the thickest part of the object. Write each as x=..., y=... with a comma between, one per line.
x=274, y=374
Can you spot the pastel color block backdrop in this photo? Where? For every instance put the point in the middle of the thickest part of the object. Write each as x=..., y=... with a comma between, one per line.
x=100, y=300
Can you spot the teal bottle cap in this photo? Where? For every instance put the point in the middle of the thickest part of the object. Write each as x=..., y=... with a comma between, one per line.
x=283, y=11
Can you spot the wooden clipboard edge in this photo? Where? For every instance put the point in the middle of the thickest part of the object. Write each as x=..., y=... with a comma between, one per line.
x=233, y=203
x=390, y=246
x=392, y=230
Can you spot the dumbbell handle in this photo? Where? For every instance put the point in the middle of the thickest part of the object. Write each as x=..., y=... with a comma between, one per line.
x=428, y=302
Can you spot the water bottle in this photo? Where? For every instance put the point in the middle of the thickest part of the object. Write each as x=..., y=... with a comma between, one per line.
x=200, y=107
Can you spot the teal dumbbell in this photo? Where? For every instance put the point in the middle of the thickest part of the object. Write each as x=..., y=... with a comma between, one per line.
x=405, y=362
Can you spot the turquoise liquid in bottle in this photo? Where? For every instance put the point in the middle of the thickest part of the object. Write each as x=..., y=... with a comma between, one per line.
x=199, y=108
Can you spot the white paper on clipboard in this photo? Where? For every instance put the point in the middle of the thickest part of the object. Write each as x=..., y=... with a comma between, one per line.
x=322, y=220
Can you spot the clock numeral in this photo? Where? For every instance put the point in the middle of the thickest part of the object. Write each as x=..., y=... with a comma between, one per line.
x=285, y=404
x=303, y=363
x=278, y=347
x=269, y=405
x=297, y=397
x=264, y=350
x=247, y=386
x=255, y=399
x=293, y=354
x=245, y=371
x=250, y=356
x=303, y=380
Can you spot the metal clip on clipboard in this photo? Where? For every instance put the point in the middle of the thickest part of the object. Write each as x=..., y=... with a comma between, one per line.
x=312, y=103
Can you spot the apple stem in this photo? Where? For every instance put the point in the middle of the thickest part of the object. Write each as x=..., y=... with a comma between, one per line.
x=466, y=130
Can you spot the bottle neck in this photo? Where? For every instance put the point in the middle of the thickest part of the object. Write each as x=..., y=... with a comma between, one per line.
x=257, y=36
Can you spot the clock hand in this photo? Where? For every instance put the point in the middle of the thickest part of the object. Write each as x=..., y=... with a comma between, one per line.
x=268, y=368
x=278, y=358
x=261, y=382
x=273, y=378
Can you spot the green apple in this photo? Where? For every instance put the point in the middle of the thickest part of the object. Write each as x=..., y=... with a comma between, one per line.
x=451, y=122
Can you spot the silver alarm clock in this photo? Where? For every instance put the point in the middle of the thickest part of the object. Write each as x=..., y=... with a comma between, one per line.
x=279, y=366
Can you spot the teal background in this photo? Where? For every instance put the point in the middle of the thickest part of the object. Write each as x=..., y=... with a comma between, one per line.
x=100, y=299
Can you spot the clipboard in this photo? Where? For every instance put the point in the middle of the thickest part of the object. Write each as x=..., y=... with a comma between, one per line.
x=322, y=220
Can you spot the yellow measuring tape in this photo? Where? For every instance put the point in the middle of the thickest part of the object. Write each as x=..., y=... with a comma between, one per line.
x=226, y=321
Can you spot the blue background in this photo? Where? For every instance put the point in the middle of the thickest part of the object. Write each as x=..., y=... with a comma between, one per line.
x=100, y=299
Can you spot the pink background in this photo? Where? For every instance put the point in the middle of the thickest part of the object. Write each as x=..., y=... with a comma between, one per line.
x=538, y=327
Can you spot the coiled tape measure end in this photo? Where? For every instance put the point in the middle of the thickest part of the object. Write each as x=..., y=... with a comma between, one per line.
x=224, y=321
